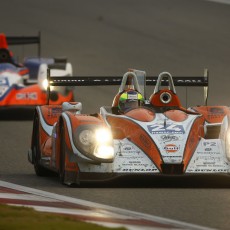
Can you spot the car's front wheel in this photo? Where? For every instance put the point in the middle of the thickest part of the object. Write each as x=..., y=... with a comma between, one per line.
x=39, y=169
x=62, y=155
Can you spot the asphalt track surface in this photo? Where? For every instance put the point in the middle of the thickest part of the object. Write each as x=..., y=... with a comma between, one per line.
x=105, y=37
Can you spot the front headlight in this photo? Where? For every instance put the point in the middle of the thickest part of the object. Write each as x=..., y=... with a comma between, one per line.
x=104, y=152
x=103, y=136
x=86, y=137
x=45, y=84
x=104, y=144
x=96, y=143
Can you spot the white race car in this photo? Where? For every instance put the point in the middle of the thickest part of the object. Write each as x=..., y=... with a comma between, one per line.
x=154, y=136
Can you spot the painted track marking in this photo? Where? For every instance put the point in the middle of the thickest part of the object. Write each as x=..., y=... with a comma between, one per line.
x=86, y=210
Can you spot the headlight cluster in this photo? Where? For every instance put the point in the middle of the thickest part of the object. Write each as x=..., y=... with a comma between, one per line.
x=95, y=143
x=45, y=84
x=86, y=137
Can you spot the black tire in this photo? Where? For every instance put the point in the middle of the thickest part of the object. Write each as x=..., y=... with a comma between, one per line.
x=62, y=155
x=38, y=168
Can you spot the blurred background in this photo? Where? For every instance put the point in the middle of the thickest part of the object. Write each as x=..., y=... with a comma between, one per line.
x=106, y=37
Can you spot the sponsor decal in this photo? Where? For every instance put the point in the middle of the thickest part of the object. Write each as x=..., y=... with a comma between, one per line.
x=132, y=96
x=215, y=113
x=216, y=110
x=166, y=129
x=139, y=170
x=207, y=170
x=181, y=81
x=208, y=149
x=210, y=153
x=27, y=96
x=4, y=81
x=127, y=147
x=209, y=144
x=169, y=138
x=208, y=158
x=53, y=112
x=171, y=148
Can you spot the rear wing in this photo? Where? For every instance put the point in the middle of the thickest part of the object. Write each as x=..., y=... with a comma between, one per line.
x=190, y=81
x=25, y=40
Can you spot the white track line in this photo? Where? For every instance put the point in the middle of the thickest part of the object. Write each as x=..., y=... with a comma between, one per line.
x=220, y=1
x=105, y=208
x=24, y=197
x=76, y=212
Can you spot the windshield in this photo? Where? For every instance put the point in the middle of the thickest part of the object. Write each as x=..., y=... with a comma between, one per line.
x=7, y=66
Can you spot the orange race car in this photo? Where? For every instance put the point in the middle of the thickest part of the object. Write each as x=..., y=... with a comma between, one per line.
x=25, y=85
x=134, y=136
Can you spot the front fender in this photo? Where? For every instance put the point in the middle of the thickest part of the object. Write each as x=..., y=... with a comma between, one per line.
x=73, y=123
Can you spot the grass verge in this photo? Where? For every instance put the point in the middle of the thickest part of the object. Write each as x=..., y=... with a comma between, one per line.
x=21, y=218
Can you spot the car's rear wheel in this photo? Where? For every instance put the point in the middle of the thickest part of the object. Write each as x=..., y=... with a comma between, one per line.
x=39, y=169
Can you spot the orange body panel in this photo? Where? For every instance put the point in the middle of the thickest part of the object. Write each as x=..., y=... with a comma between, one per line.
x=43, y=140
x=50, y=114
x=213, y=114
x=69, y=166
x=3, y=42
x=155, y=99
x=124, y=128
x=47, y=148
x=31, y=96
x=24, y=71
x=83, y=120
x=176, y=115
x=141, y=114
x=197, y=131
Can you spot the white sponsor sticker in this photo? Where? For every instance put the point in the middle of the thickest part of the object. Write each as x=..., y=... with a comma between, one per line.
x=27, y=96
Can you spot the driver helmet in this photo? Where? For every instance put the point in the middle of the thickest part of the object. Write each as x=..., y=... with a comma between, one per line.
x=130, y=100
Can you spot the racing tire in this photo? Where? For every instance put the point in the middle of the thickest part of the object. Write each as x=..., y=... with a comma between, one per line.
x=62, y=155
x=38, y=168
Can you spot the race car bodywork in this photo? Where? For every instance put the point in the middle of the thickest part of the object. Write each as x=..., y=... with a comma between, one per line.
x=159, y=138
x=23, y=85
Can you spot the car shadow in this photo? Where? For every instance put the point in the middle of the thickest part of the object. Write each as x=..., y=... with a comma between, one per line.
x=201, y=181
x=170, y=182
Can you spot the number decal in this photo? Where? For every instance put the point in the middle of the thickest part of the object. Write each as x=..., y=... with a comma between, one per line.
x=4, y=85
x=168, y=128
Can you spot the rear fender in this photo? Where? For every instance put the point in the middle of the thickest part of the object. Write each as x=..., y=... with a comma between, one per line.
x=212, y=114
